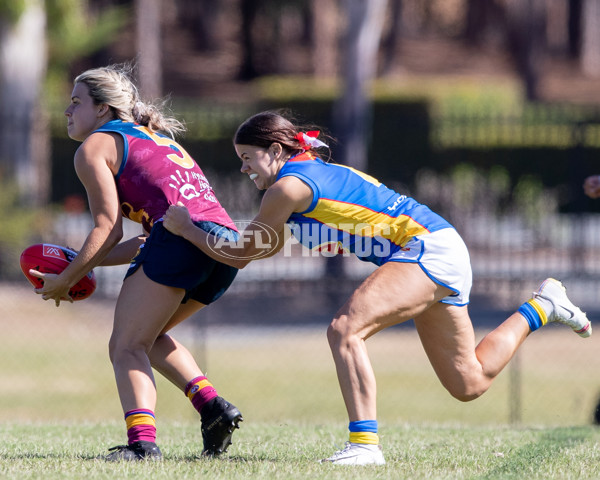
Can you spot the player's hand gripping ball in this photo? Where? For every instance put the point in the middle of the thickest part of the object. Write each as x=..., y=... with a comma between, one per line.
x=48, y=258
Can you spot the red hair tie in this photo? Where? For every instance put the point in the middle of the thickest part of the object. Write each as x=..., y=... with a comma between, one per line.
x=308, y=140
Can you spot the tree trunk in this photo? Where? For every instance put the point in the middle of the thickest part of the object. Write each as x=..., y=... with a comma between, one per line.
x=325, y=37
x=590, y=45
x=24, y=155
x=353, y=111
x=201, y=18
x=149, y=47
x=475, y=21
x=526, y=33
x=574, y=28
x=390, y=45
x=482, y=18
x=249, y=11
x=557, y=28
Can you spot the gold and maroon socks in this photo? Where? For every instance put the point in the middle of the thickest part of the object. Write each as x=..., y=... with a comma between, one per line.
x=200, y=391
x=141, y=425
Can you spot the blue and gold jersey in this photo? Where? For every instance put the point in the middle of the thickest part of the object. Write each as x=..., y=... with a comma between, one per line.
x=354, y=212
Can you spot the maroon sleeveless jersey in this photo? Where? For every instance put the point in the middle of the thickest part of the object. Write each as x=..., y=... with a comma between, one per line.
x=157, y=172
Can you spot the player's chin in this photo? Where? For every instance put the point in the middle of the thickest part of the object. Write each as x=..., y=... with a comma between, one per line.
x=261, y=184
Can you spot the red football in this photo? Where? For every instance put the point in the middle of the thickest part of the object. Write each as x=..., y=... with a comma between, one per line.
x=48, y=258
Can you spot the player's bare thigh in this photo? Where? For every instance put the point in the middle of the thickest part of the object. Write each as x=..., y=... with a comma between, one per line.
x=185, y=311
x=144, y=308
x=392, y=294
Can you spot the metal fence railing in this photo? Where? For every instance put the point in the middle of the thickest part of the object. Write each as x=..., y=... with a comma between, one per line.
x=513, y=248
x=510, y=257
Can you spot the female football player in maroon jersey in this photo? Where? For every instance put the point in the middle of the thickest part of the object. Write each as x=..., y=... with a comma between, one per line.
x=131, y=166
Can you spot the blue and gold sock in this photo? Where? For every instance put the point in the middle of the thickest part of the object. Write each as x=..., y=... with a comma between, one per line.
x=364, y=431
x=534, y=313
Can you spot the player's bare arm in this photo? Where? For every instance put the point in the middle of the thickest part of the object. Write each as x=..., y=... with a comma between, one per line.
x=124, y=252
x=264, y=236
x=92, y=161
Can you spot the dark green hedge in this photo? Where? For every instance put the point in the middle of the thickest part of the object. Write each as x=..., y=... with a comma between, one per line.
x=400, y=146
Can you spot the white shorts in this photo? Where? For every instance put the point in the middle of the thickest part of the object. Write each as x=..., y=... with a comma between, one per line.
x=444, y=257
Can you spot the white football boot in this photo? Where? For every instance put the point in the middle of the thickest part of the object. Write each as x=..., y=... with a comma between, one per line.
x=357, y=454
x=563, y=311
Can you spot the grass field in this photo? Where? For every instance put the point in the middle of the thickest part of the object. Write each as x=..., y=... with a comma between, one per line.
x=59, y=409
x=278, y=451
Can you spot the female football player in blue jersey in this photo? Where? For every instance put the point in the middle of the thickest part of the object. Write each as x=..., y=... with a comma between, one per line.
x=130, y=169
x=424, y=270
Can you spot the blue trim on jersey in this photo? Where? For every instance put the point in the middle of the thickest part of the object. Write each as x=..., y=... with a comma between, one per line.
x=115, y=126
x=311, y=183
x=124, y=129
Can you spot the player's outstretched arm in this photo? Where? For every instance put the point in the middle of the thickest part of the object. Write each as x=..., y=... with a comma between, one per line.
x=256, y=241
x=264, y=236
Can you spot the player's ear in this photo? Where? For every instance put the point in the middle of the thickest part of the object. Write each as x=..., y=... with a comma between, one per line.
x=276, y=149
x=103, y=109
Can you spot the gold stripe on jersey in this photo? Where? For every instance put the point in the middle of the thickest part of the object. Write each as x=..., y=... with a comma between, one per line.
x=359, y=220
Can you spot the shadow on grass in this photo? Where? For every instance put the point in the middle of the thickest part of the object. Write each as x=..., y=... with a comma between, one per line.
x=47, y=456
x=230, y=459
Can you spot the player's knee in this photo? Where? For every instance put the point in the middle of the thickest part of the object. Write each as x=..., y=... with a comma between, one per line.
x=465, y=396
x=332, y=336
x=112, y=348
x=341, y=334
x=465, y=392
x=336, y=331
x=119, y=350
